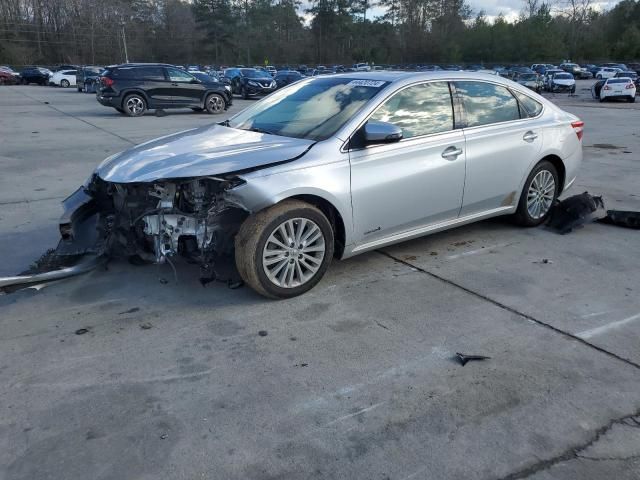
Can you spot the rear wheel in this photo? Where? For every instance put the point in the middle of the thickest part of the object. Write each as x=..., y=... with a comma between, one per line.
x=632, y=99
x=64, y=83
x=134, y=105
x=285, y=250
x=538, y=195
x=215, y=104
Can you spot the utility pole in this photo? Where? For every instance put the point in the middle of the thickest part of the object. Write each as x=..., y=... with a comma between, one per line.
x=124, y=41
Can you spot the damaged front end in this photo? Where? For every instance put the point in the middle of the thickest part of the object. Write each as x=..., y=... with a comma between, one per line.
x=150, y=222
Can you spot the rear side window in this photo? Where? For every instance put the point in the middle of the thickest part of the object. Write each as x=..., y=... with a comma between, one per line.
x=487, y=103
x=151, y=73
x=419, y=110
x=528, y=106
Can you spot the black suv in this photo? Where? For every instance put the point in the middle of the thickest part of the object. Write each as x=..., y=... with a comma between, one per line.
x=287, y=77
x=250, y=81
x=87, y=78
x=34, y=75
x=133, y=88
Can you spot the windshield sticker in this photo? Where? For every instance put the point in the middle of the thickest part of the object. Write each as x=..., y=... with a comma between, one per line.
x=366, y=83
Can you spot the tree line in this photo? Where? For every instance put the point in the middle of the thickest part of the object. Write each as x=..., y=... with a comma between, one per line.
x=249, y=32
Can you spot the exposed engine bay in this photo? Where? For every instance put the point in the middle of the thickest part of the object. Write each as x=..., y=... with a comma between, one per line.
x=152, y=222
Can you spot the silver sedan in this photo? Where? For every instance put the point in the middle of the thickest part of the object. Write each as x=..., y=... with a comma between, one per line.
x=330, y=167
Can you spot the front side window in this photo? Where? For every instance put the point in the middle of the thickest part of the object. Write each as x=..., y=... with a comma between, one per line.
x=313, y=110
x=422, y=109
x=487, y=103
x=176, y=75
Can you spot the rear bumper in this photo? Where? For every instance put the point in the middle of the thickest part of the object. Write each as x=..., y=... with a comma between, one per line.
x=108, y=100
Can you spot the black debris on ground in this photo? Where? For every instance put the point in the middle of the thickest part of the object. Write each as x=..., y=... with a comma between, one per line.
x=82, y=331
x=573, y=212
x=131, y=310
x=464, y=359
x=146, y=326
x=622, y=218
x=263, y=333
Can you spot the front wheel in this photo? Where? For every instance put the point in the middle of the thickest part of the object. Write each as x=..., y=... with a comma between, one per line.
x=64, y=83
x=284, y=251
x=538, y=195
x=134, y=105
x=215, y=104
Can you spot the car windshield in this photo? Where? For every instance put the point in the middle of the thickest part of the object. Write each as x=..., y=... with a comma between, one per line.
x=312, y=110
x=528, y=76
x=253, y=73
x=563, y=76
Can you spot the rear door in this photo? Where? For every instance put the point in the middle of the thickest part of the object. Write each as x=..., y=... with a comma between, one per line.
x=501, y=144
x=156, y=85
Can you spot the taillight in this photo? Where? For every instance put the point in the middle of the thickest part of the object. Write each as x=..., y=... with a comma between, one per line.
x=578, y=127
x=606, y=87
x=106, y=81
x=630, y=85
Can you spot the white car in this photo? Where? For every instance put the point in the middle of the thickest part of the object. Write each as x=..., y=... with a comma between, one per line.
x=63, y=78
x=562, y=82
x=362, y=67
x=618, y=88
x=607, y=72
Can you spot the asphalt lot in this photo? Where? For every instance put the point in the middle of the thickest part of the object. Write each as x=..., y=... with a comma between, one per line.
x=354, y=379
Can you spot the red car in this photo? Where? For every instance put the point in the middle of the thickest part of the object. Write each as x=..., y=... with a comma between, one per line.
x=7, y=78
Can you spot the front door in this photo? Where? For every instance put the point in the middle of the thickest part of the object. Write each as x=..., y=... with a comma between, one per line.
x=398, y=187
x=187, y=90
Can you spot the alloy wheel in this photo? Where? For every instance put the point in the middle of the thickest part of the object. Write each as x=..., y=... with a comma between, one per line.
x=293, y=253
x=215, y=104
x=540, y=194
x=135, y=105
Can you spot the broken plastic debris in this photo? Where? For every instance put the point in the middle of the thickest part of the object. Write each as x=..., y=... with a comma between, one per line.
x=82, y=331
x=263, y=333
x=146, y=326
x=468, y=358
x=622, y=218
x=573, y=212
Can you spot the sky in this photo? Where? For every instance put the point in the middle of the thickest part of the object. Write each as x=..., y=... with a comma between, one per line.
x=509, y=8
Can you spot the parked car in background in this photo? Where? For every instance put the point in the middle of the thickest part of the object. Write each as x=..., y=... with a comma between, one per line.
x=576, y=70
x=635, y=67
x=133, y=88
x=548, y=75
x=562, y=82
x=8, y=78
x=530, y=80
x=87, y=78
x=65, y=67
x=271, y=69
x=607, y=72
x=287, y=77
x=249, y=82
x=10, y=71
x=63, y=78
x=285, y=186
x=591, y=68
x=613, y=88
x=361, y=67
x=37, y=75
x=629, y=74
x=207, y=78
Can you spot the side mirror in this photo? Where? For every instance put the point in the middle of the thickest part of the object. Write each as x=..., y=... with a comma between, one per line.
x=381, y=132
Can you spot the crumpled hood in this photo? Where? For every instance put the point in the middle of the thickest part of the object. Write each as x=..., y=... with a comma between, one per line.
x=211, y=150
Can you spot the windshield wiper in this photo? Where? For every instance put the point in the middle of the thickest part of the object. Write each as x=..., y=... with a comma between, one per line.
x=260, y=130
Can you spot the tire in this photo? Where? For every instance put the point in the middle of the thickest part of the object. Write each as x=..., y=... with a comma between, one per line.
x=243, y=92
x=632, y=99
x=79, y=89
x=602, y=99
x=64, y=83
x=134, y=105
x=257, y=232
x=528, y=216
x=215, y=104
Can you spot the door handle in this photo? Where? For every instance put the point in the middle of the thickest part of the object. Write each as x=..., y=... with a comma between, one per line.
x=529, y=136
x=451, y=153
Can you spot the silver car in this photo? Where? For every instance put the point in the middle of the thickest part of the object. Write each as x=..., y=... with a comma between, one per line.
x=331, y=166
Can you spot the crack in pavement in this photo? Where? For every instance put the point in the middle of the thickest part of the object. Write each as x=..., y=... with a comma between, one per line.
x=573, y=453
x=503, y=306
x=17, y=202
x=77, y=118
x=570, y=453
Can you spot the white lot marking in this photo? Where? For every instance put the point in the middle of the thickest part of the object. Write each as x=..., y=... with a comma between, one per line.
x=477, y=250
x=359, y=412
x=415, y=474
x=595, y=314
x=604, y=328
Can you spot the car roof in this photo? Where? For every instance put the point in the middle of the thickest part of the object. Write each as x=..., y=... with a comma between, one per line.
x=398, y=76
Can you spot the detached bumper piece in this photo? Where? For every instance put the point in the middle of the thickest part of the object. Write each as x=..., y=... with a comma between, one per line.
x=622, y=218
